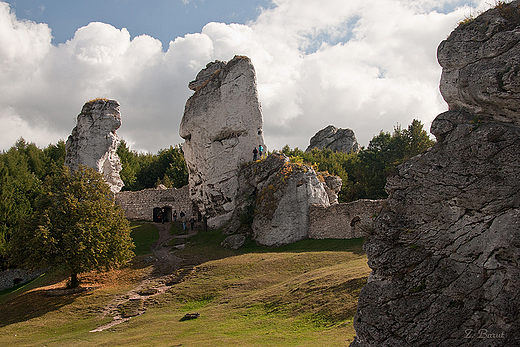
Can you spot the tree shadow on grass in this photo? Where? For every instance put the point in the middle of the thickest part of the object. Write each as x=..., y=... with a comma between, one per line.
x=32, y=304
x=27, y=301
x=48, y=293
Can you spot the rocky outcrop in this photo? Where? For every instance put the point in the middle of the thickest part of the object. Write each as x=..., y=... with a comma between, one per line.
x=274, y=200
x=445, y=252
x=221, y=126
x=205, y=74
x=480, y=62
x=332, y=186
x=93, y=142
x=234, y=241
x=282, y=207
x=335, y=139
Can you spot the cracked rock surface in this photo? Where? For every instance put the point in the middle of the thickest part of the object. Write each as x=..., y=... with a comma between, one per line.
x=221, y=126
x=274, y=199
x=445, y=255
x=480, y=60
x=93, y=142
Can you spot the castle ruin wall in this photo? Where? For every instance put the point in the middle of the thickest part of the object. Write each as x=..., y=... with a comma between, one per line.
x=343, y=221
x=140, y=205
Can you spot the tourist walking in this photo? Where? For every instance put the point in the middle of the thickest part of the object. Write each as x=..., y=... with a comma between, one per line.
x=175, y=215
x=261, y=151
x=183, y=220
x=192, y=222
x=255, y=154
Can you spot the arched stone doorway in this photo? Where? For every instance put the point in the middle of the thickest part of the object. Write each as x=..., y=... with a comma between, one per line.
x=162, y=212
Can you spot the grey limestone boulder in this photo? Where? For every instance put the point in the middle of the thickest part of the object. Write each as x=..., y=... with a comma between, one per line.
x=234, y=241
x=93, y=142
x=445, y=250
x=335, y=139
x=282, y=205
x=274, y=200
x=221, y=126
x=332, y=185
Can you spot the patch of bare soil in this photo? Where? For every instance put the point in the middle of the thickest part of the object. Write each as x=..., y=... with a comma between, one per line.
x=167, y=270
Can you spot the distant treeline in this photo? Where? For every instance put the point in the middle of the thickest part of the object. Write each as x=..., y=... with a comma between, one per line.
x=24, y=168
x=144, y=170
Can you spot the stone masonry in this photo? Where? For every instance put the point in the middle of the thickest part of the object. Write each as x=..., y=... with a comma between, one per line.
x=139, y=205
x=343, y=221
x=13, y=277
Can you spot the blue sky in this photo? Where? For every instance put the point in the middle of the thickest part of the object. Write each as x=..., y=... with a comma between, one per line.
x=367, y=65
x=162, y=19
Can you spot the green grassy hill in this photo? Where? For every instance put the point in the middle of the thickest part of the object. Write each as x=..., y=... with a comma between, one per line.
x=303, y=294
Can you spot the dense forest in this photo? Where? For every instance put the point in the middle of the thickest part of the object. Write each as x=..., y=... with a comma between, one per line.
x=24, y=169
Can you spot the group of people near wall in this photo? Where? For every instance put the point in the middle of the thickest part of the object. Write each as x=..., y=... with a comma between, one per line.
x=181, y=216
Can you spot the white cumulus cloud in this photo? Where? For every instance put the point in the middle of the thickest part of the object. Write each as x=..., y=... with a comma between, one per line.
x=361, y=64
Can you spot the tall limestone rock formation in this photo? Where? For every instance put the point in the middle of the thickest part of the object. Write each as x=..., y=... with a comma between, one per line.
x=445, y=253
x=335, y=139
x=93, y=142
x=221, y=126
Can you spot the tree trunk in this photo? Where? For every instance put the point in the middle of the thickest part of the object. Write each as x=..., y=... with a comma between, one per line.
x=74, y=282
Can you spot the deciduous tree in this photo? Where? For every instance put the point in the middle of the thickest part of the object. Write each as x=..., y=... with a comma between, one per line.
x=76, y=224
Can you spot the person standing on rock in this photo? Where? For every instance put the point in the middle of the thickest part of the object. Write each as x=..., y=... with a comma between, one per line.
x=261, y=151
x=255, y=154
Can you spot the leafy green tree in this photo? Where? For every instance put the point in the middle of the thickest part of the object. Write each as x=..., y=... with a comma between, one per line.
x=54, y=156
x=130, y=166
x=175, y=170
x=76, y=224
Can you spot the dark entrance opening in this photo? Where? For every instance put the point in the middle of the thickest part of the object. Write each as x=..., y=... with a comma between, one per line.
x=160, y=213
x=167, y=214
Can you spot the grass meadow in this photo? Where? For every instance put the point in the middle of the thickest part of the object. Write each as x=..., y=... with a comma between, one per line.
x=303, y=294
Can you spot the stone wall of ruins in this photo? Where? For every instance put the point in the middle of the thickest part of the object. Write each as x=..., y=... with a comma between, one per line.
x=139, y=205
x=343, y=221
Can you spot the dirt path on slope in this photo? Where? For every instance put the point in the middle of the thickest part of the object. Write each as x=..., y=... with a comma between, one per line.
x=166, y=262
x=167, y=272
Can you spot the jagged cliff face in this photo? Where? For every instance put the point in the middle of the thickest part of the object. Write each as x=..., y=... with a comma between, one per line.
x=93, y=142
x=445, y=252
x=221, y=126
x=480, y=63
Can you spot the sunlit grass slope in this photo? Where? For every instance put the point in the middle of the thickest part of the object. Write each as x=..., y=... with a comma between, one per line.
x=304, y=294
